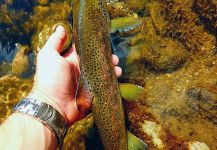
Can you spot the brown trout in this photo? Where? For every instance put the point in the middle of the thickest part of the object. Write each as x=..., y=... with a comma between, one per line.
x=91, y=25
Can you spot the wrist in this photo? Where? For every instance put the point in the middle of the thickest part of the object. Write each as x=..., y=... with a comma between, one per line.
x=28, y=130
x=43, y=97
x=44, y=113
x=64, y=104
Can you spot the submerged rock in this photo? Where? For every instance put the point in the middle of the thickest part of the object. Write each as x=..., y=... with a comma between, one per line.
x=12, y=89
x=136, y=5
x=198, y=146
x=48, y=29
x=207, y=10
x=14, y=21
x=78, y=133
x=183, y=26
x=203, y=99
x=21, y=63
x=46, y=18
x=42, y=2
x=156, y=15
x=119, y=9
x=5, y=68
x=126, y=26
x=163, y=55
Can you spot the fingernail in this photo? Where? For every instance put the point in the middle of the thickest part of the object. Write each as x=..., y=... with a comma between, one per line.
x=60, y=29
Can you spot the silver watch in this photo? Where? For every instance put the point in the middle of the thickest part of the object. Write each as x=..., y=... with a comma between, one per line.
x=46, y=114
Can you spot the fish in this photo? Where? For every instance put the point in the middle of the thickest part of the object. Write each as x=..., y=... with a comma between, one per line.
x=98, y=82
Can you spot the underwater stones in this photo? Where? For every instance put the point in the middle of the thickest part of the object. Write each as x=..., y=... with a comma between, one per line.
x=42, y=2
x=12, y=96
x=155, y=132
x=157, y=19
x=20, y=64
x=144, y=125
x=51, y=12
x=119, y=9
x=126, y=26
x=198, y=146
x=5, y=68
x=13, y=24
x=48, y=29
x=163, y=55
x=12, y=89
x=78, y=133
x=182, y=25
x=3, y=110
x=202, y=94
x=135, y=5
x=46, y=18
x=203, y=99
x=207, y=11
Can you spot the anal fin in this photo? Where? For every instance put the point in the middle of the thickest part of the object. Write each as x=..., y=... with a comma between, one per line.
x=84, y=98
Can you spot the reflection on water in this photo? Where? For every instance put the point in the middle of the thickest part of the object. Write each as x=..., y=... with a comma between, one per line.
x=172, y=53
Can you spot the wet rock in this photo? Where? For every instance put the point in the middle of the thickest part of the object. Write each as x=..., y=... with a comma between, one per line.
x=136, y=5
x=48, y=29
x=155, y=132
x=119, y=9
x=203, y=100
x=202, y=94
x=12, y=89
x=42, y=2
x=207, y=11
x=14, y=22
x=126, y=26
x=198, y=146
x=78, y=133
x=5, y=68
x=21, y=63
x=146, y=127
x=46, y=18
x=157, y=19
x=184, y=27
x=163, y=55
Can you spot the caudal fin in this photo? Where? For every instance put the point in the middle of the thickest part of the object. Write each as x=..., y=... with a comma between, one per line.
x=134, y=143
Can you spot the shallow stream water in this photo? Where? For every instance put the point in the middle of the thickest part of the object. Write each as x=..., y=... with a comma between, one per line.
x=172, y=54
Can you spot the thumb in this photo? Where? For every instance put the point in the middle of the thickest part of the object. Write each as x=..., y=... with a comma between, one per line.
x=56, y=40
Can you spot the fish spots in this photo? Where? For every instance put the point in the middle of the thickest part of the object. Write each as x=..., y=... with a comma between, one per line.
x=98, y=72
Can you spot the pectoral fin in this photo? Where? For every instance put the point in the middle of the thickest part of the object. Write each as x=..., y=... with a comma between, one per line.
x=84, y=98
x=131, y=92
x=134, y=143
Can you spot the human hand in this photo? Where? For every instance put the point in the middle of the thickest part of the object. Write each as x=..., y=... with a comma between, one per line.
x=56, y=78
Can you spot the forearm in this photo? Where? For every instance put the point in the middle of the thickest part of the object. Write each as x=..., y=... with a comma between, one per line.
x=20, y=131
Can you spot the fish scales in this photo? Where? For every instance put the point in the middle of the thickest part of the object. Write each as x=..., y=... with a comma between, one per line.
x=91, y=28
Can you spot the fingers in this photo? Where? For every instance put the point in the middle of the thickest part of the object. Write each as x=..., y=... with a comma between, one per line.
x=118, y=71
x=115, y=59
x=56, y=40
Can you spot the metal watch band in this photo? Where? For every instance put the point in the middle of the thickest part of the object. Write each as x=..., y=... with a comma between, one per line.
x=46, y=114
